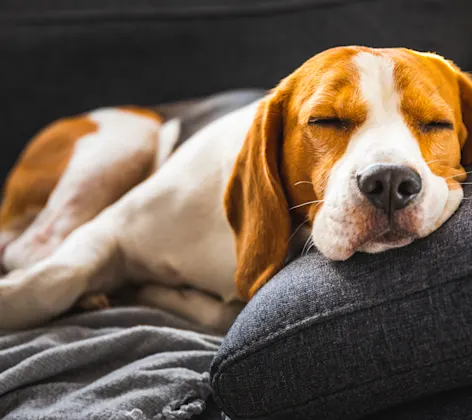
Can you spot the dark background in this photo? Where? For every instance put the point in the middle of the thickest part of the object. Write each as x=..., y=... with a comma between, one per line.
x=60, y=57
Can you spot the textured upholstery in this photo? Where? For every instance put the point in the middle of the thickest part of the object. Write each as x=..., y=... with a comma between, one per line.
x=339, y=340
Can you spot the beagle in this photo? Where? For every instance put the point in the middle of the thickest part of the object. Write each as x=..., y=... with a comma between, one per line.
x=359, y=149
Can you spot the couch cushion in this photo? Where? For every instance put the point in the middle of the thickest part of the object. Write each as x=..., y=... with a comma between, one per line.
x=339, y=340
x=455, y=404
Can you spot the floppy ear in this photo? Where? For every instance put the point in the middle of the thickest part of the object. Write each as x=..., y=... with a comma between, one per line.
x=255, y=202
x=465, y=88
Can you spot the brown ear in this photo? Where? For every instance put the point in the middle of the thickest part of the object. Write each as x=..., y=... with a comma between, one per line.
x=465, y=88
x=255, y=202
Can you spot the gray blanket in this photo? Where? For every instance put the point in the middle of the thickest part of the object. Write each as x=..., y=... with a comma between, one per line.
x=124, y=363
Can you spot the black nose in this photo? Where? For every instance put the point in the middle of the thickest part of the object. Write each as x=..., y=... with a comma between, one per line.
x=389, y=187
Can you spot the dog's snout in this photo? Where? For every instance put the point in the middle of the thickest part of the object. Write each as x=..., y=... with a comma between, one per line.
x=389, y=187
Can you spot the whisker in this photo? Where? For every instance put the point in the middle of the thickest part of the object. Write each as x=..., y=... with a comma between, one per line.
x=303, y=182
x=305, y=204
x=434, y=161
x=466, y=183
x=453, y=176
x=303, y=249
x=310, y=248
x=308, y=240
x=296, y=230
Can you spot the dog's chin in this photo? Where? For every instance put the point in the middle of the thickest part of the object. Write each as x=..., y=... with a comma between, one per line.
x=370, y=241
x=409, y=226
x=386, y=241
x=370, y=231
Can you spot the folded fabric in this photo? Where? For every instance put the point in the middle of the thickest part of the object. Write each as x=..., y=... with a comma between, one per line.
x=124, y=363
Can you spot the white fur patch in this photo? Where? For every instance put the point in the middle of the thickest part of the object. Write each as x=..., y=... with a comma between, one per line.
x=170, y=230
x=182, y=235
x=105, y=164
x=168, y=136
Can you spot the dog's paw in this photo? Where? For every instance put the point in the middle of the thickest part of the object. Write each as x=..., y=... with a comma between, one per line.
x=32, y=296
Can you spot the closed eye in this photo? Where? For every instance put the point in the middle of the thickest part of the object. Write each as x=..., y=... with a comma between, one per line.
x=437, y=126
x=329, y=122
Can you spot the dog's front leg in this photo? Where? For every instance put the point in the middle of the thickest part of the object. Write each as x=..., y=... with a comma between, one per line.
x=88, y=261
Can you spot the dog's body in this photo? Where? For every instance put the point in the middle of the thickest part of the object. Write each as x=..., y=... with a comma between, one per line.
x=125, y=240
x=116, y=194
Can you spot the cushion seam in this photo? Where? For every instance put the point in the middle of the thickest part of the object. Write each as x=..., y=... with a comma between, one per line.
x=303, y=323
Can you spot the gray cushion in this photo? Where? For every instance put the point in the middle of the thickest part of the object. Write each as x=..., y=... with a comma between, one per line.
x=339, y=340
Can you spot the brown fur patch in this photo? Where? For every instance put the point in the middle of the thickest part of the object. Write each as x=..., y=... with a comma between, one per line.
x=39, y=168
x=282, y=149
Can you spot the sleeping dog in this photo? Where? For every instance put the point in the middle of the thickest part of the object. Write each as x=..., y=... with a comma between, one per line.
x=359, y=149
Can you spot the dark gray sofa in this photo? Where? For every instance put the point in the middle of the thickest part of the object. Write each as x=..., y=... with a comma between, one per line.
x=60, y=57
x=63, y=57
x=341, y=340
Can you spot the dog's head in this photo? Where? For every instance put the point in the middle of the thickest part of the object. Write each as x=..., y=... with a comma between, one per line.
x=363, y=144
